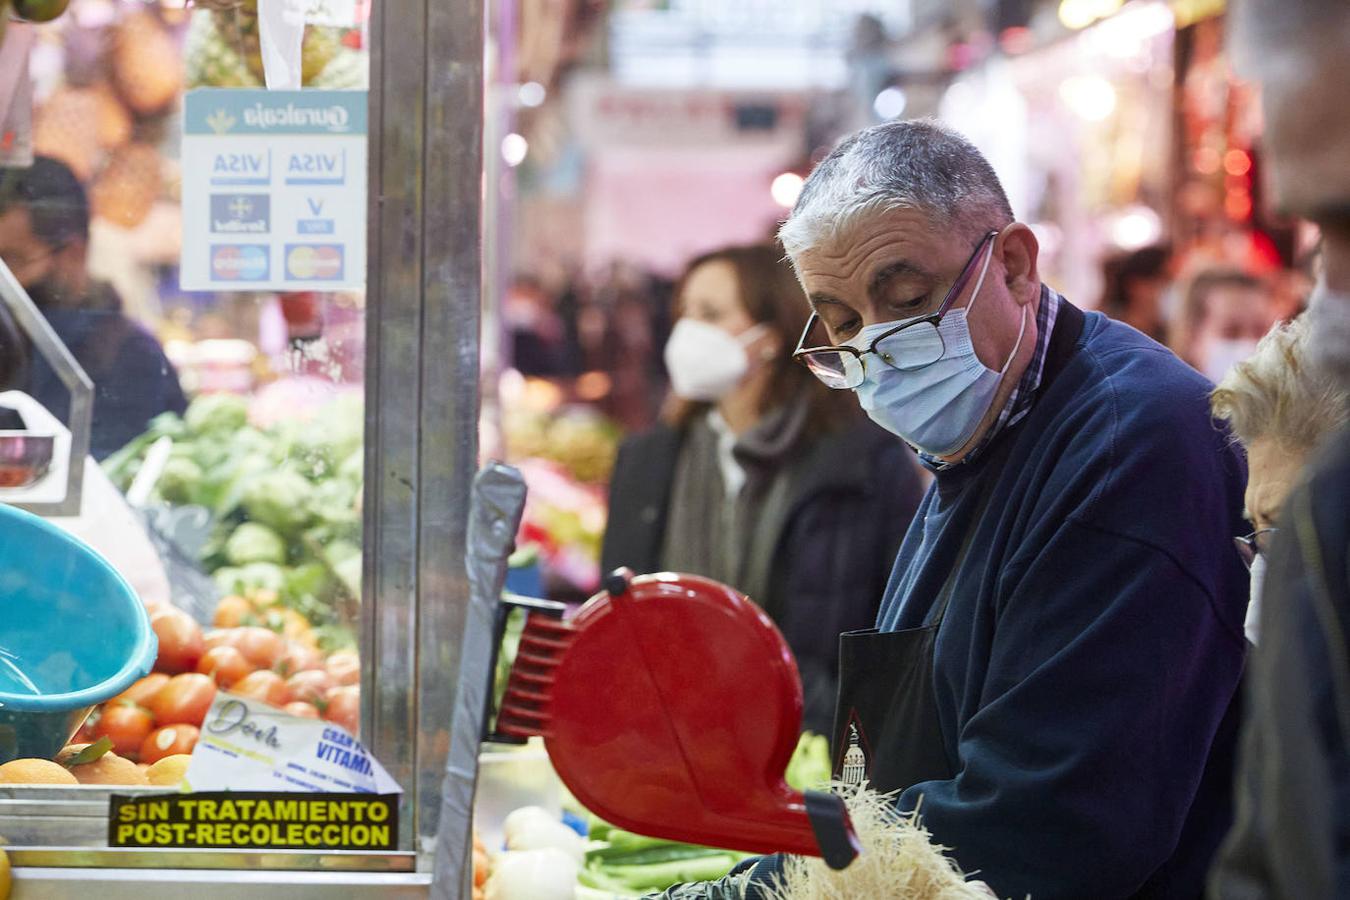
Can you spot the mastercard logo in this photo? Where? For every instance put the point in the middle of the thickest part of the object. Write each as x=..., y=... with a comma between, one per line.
x=239, y=262
x=314, y=262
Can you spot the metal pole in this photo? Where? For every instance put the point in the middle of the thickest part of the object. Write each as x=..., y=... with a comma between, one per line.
x=422, y=383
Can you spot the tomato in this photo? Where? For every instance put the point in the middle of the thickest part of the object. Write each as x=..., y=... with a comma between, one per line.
x=309, y=686
x=303, y=710
x=345, y=667
x=184, y=700
x=141, y=692
x=225, y=664
x=264, y=685
x=168, y=741
x=261, y=646
x=221, y=637
x=299, y=658
x=233, y=612
x=344, y=708
x=126, y=725
x=180, y=641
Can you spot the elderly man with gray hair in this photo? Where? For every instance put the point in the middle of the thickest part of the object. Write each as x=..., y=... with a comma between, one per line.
x=1052, y=677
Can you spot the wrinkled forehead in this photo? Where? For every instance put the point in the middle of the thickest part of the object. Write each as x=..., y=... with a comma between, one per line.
x=846, y=249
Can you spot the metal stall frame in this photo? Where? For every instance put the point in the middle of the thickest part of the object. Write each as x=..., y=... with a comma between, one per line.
x=422, y=406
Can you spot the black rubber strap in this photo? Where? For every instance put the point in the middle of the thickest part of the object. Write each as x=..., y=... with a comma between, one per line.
x=833, y=830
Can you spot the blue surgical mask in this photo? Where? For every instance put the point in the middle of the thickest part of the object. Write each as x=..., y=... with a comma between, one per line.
x=938, y=407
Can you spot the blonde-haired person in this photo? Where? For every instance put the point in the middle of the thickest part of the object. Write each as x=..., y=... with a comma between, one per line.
x=1280, y=408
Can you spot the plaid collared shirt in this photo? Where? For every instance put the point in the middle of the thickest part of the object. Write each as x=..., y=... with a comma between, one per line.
x=1024, y=395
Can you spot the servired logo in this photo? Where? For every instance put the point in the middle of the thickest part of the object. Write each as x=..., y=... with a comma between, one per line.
x=239, y=262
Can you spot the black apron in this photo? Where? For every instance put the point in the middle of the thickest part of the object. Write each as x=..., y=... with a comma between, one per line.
x=886, y=726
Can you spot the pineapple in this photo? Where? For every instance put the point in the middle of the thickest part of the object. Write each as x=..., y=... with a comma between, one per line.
x=129, y=185
x=146, y=65
x=66, y=128
x=317, y=49
x=211, y=60
x=321, y=45
x=114, y=122
x=348, y=71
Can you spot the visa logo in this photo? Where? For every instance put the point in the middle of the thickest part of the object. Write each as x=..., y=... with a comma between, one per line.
x=241, y=169
x=314, y=164
x=239, y=164
x=317, y=168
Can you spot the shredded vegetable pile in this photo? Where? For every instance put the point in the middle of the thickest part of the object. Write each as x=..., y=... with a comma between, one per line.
x=899, y=860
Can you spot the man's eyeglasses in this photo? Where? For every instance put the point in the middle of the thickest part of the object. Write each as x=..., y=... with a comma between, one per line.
x=1255, y=544
x=906, y=347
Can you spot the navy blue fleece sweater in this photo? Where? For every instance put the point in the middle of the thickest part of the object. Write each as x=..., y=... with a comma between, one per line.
x=1088, y=664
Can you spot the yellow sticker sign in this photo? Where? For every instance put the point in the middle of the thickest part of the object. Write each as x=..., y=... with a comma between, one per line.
x=255, y=820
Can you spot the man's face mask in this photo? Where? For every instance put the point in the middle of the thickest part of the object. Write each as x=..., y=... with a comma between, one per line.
x=936, y=407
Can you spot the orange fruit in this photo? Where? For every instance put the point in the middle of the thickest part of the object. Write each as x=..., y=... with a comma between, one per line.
x=35, y=771
x=233, y=612
x=169, y=771
x=107, y=769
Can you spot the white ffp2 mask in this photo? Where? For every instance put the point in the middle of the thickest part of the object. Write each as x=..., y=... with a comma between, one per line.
x=704, y=362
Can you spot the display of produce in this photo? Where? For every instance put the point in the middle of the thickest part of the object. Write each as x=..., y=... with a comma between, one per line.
x=259, y=649
x=579, y=440
x=628, y=865
x=285, y=500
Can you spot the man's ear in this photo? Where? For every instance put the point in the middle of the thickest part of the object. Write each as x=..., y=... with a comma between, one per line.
x=1020, y=252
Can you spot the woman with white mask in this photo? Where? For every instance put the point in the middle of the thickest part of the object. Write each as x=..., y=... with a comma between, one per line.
x=1281, y=408
x=757, y=477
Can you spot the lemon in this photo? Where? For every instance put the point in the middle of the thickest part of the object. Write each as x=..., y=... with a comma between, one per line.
x=4, y=875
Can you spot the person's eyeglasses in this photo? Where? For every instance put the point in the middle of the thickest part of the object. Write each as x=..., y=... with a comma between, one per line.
x=906, y=347
x=1255, y=544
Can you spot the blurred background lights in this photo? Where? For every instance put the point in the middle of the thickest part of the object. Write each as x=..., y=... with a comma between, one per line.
x=1136, y=227
x=1090, y=97
x=1078, y=14
x=531, y=94
x=786, y=188
x=514, y=148
x=890, y=103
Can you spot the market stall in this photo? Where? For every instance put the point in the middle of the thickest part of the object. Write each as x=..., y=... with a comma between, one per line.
x=276, y=349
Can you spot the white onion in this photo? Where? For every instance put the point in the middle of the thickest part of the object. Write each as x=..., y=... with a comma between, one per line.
x=548, y=874
x=531, y=828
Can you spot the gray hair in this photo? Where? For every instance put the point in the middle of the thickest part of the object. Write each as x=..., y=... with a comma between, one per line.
x=1280, y=394
x=919, y=164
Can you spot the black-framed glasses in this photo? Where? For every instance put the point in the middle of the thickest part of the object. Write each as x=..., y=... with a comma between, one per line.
x=1249, y=547
x=906, y=347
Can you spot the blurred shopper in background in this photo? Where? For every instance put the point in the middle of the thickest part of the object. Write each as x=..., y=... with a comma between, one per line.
x=44, y=239
x=1223, y=314
x=1136, y=284
x=1281, y=408
x=758, y=477
x=1291, y=838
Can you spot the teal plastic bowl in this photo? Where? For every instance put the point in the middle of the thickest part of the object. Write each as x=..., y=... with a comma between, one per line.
x=72, y=635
